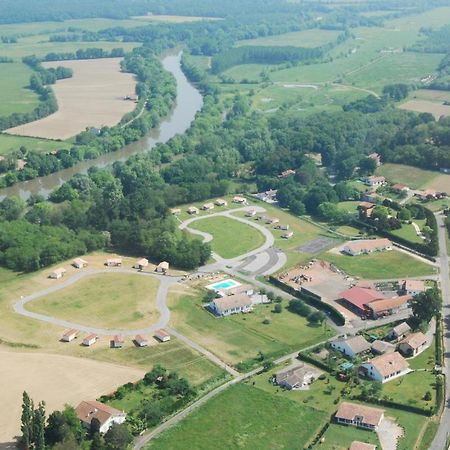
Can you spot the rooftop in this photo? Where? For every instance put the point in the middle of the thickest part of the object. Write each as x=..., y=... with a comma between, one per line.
x=368, y=245
x=232, y=301
x=389, y=363
x=415, y=340
x=361, y=296
x=348, y=411
x=87, y=410
x=356, y=343
x=401, y=328
x=389, y=303
x=383, y=347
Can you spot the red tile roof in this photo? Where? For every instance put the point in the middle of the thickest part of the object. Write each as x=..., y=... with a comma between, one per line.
x=360, y=296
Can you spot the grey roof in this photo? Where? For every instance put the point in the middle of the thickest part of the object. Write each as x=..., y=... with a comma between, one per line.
x=356, y=343
x=292, y=376
x=382, y=347
x=401, y=328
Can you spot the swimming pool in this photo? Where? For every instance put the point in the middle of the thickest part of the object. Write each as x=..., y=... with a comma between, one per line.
x=223, y=285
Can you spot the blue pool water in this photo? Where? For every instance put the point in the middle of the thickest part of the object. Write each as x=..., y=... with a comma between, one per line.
x=226, y=284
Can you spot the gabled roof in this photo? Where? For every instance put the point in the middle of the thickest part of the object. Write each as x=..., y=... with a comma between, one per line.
x=389, y=363
x=87, y=410
x=370, y=416
x=414, y=285
x=382, y=347
x=368, y=245
x=232, y=301
x=357, y=344
x=401, y=328
x=360, y=296
x=415, y=340
x=389, y=303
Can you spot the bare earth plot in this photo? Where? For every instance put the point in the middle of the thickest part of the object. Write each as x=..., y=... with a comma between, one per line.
x=93, y=97
x=54, y=378
x=425, y=106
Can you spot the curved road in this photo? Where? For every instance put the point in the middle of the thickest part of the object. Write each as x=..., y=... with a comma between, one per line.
x=165, y=283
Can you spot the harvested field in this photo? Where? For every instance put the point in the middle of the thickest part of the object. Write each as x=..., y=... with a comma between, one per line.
x=425, y=106
x=56, y=379
x=441, y=183
x=93, y=97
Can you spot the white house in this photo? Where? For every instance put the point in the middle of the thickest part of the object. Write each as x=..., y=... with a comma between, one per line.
x=352, y=346
x=58, y=273
x=141, y=341
x=113, y=262
x=162, y=267
x=89, y=340
x=385, y=367
x=399, y=331
x=221, y=202
x=374, y=181
x=162, y=335
x=69, y=335
x=106, y=415
x=361, y=416
x=241, y=200
x=192, y=210
x=141, y=264
x=231, y=304
x=413, y=344
x=208, y=206
x=79, y=263
x=118, y=341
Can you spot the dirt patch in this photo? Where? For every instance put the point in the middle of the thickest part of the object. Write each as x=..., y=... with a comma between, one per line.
x=424, y=106
x=93, y=97
x=54, y=378
x=441, y=183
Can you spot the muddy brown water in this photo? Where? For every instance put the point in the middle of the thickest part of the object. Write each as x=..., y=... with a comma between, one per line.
x=189, y=101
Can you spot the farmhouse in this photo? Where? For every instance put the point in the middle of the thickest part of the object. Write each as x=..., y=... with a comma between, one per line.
x=358, y=445
x=89, y=340
x=221, y=202
x=241, y=200
x=359, y=415
x=388, y=306
x=118, y=341
x=141, y=341
x=374, y=181
x=162, y=267
x=385, y=367
x=375, y=157
x=294, y=378
x=106, y=415
x=365, y=247
x=141, y=264
x=288, y=235
x=399, y=331
x=58, y=273
x=366, y=209
x=399, y=187
x=382, y=347
x=352, y=346
x=414, y=344
x=175, y=211
x=413, y=287
x=231, y=304
x=428, y=194
x=208, y=206
x=113, y=262
x=69, y=335
x=79, y=263
x=357, y=298
x=192, y=210
x=162, y=335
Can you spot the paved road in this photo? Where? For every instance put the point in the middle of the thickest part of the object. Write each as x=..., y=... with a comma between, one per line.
x=439, y=442
x=165, y=283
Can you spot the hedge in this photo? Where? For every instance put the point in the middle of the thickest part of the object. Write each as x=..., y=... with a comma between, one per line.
x=395, y=405
x=315, y=302
x=439, y=345
x=308, y=359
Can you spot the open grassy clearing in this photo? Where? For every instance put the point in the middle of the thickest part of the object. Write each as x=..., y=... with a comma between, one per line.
x=340, y=437
x=425, y=106
x=351, y=207
x=230, y=237
x=411, y=176
x=240, y=337
x=108, y=301
x=408, y=232
x=306, y=38
x=378, y=266
x=243, y=417
x=94, y=96
x=9, y=143
x=172, y=19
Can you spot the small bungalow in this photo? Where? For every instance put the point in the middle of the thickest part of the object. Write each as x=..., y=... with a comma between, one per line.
x=382, y=347
x=358, y=445
x=241, y=200
x=58, y=273
x=141, y=264
x=162, y=335
x=231, y=304
x=385, y=367
x=106, y=415
x=399, y=187
x=113, y=262
x=89, y=340
x=353, y=346
x=374, y=181
x=388, y=306
x=208, y=206
x=162, y=267
x=358, y=415
x=413, y=344
x=175, y=211
x=193, y=211
x=141, y=341
x=366, y=246
x=118, y=341
x=399, y=332
x=221, y=202
x=79, y=263
x=413, y=287
x=288, y=235
x=69, y=335
x=294, y=378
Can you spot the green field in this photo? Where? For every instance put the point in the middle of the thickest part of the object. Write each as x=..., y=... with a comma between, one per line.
x=230, y=237
x=9, y=143
x=382, y=265
x=408, y=232
x=411, y=176
x=110, y=300
x=239, y=337
x=243, y=417
x=340, y=437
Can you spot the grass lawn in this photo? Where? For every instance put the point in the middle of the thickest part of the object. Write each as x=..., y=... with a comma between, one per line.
x=425, y=360
x=9, y=143
x=348, y=230
x=411, y=176
x=230, y=237
x=428, y=435
x=408, y=232
x=108, y=300
x=340, y=437
x=350, y=207
x=240, y=337
x=382, y=265
x=243, y=417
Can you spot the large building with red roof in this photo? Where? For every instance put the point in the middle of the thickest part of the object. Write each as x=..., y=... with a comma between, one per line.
x=357, y=299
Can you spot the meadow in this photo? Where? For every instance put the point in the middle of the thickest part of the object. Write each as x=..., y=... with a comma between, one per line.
x=9, y=143
x=110, y=300
x=411, y=176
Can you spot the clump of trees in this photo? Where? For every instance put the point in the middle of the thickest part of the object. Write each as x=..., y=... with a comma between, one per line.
x=425, y=306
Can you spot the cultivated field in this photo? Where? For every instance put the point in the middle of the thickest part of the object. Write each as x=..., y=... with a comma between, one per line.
x=93, y=97
x=424, y=106
x=411, y=176
x=112, y=300
x=56, y=379
x=172, y=19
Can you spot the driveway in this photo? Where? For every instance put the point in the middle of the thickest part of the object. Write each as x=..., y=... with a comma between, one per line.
x=389, y=432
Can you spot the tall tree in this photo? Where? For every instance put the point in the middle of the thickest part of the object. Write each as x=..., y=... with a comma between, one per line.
x=27, y=422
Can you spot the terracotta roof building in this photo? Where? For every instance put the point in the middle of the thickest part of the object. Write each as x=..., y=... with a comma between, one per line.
x=106, y=415
x=399, y=331
x=141, y=341
x=89, y=340
x=69, y=335
x=414, y=344
x=162, y=335
x=358, y=298
x=385, y=367
x=359, y=415
x=79, y=263
x=388, y=306
x=414, y=287
x=365, y=247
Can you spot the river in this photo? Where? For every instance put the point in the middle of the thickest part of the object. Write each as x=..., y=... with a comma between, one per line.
x=188, y=102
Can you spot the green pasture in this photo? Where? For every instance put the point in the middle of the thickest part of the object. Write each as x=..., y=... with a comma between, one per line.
x=411, y=176
x=9, y=143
